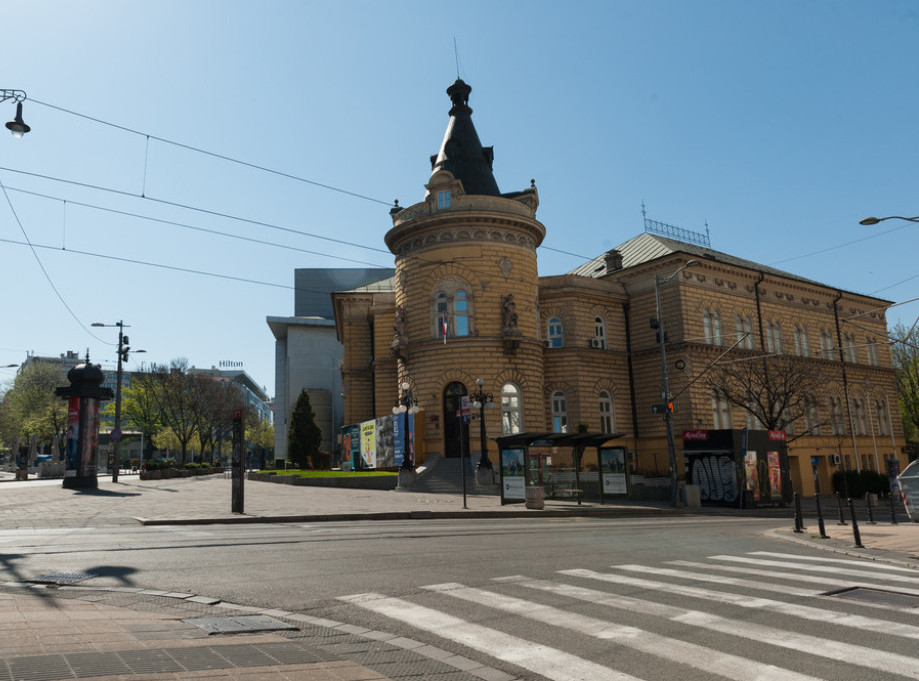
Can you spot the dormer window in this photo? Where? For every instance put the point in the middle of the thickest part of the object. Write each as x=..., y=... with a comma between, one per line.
x=443, y=200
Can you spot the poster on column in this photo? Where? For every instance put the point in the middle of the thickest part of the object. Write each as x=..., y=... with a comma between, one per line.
x=775, y=475
x=513, y=480
x=73, y=437
x=368, y=444
x=384, y=442
x=612, y=470
x=90, y=436
x=398, y=438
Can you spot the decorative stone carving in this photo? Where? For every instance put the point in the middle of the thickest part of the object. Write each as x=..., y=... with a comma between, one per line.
x=400, y=343
x=505, y=266
x=510, y=336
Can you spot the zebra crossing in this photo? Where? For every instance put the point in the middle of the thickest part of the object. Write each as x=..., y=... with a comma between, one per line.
x=754, y=617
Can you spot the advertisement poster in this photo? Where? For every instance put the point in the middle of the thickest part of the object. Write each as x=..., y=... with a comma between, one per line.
x=350, y=446
x=775, y=475
x=512, y=474
x=612, y=470
x=398, y=438
x=751, y=478
x=384, y=442
x=90, y=436
x=368, y=444
x=73, y=435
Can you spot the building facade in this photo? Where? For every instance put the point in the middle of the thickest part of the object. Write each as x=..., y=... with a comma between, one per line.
x=578, y=351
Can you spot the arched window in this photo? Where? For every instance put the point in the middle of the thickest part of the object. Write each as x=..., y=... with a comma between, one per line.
x=861, y=427
x=607, y=422
x=774, y=337
x=721, y=410
x=452, y=309
x=811, y=416
x=744, y=332
x=511, y=410
x=707, y=326
x=555, y=337
x=559, y=412
x=600, y=332
x=716, y=328
x=883, y=417
x=837, y=419
x=802, y=345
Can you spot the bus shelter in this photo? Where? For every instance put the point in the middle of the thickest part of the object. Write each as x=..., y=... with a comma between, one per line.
x=535, y=466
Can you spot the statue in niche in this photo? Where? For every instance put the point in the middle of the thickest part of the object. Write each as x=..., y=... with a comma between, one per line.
x=509, y=332
x=400, y=338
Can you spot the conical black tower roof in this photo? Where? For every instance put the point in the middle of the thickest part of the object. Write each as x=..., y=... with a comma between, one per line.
x=461, y=152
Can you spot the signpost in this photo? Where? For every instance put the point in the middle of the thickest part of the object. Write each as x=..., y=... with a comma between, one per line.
x=239, y=463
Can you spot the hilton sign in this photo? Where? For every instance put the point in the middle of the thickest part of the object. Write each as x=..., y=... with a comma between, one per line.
x=224, y=364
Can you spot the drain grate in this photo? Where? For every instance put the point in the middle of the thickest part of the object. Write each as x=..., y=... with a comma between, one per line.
x=243, y=624
x=64, y=577
x=861, y=593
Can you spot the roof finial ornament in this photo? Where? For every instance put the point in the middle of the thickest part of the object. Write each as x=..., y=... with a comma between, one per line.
x=459, y=95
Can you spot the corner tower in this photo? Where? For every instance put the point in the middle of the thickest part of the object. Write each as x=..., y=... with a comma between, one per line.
x=466, y=290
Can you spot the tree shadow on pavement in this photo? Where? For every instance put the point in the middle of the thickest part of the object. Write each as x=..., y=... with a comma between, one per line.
x=106, y=493
x=119, y=572
x=8, y=564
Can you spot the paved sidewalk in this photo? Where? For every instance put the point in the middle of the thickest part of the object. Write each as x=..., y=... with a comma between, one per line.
x=51, y=632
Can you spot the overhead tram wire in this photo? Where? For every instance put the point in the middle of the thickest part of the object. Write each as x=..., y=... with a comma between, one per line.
x=183, y=225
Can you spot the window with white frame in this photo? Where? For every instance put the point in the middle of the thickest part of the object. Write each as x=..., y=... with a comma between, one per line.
x=827, y=345
x=871, y=349
x=837, y=416
x=858, y=414
x=744, y=327
x=707, y=326
x=811, y=415
x=600, y=332
x=511, y=410
x=849, y=349
x=555, y=333
x=559, y=412
x=802, y=344
x=452, y=309
x=883, y=416
x=606, y=412
x=773, y=337
x=721, y=410
x=716, y=328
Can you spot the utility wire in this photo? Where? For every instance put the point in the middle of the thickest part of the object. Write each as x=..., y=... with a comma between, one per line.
x=44, y=271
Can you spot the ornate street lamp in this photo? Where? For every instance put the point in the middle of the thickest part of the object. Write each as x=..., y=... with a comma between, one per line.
x=408, y=405
x=480, y=400
x=123, y=349
x=16, y=126
x=665, y=378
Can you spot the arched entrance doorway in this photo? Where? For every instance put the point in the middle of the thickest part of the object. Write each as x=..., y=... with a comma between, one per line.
x=455, y=432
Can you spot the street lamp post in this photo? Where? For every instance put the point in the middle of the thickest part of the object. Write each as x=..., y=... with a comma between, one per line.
x=480, y=400
x=16, y=126
x=665, y=379
x=123, y=349
x=874, y=221
x=408, y=405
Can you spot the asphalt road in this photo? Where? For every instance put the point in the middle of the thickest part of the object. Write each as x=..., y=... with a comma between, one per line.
x=586, y=598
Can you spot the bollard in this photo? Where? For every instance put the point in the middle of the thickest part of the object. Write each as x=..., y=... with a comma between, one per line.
x=870, y=510
x=893, y=510
x=842, y=520
x=799, y=522
x=823, y=534
x=855, y=532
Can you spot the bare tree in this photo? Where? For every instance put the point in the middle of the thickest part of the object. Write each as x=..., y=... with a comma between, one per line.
x=776, y=390
x=905, y=355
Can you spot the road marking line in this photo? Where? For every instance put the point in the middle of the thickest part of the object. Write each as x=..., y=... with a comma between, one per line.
x=547, y=662
x=717, y=579
x=846, y=561
x=816, y=568
x=804, y=612
x=672, y=649
x=800, y=643
x=809, y=579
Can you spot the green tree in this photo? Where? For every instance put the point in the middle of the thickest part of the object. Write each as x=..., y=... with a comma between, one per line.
x=139, y=411
x=179, y=398
x=303, y=436
x=31, y=409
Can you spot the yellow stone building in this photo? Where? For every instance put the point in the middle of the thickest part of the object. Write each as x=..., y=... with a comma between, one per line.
x=578, y=349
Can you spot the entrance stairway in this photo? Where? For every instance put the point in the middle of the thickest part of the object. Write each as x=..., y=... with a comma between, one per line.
x=445, y=476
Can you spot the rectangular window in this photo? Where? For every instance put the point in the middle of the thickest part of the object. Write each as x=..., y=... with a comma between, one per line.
x=443, y=200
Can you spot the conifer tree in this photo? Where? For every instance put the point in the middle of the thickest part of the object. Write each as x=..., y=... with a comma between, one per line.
x=304, y=436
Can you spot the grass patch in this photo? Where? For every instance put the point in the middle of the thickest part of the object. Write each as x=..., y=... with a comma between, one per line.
x=328, y=474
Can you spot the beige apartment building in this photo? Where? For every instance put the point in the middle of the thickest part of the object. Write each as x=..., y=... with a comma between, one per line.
x=578, y=350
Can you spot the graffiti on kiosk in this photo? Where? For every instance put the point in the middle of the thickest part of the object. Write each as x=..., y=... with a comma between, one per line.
x=715, y=477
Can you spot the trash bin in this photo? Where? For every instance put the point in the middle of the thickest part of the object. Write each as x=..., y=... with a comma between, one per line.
x=535, y=497
x=908, y=481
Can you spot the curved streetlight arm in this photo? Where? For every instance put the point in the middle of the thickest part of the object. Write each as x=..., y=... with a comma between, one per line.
x=874, y=221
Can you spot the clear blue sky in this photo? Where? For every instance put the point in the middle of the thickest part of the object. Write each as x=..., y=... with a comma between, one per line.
x=780, y=123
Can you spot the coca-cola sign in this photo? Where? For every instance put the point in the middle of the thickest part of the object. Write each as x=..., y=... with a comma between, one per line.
x=777, y=435
x=695, y=435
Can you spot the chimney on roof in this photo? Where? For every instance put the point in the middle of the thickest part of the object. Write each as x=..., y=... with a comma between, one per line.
x=613, y=260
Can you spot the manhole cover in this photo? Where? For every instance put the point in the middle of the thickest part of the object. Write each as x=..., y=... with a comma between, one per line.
x=243, y=624
x=859, y=593
x=64, y=577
